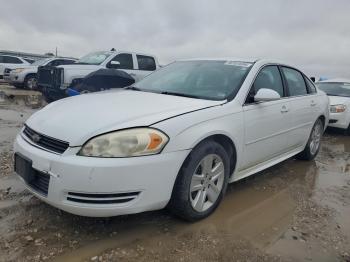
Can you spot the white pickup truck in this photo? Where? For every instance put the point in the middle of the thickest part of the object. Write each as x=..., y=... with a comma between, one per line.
x=56, y=80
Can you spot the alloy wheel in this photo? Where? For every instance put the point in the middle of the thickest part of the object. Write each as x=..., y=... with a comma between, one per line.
x=316, y=138
x=207, y=182
x=32, y=83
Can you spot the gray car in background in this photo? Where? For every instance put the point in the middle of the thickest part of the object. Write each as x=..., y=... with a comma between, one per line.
x=26, y=76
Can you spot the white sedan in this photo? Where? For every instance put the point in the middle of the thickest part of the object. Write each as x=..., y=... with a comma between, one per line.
x=338, y=91
x=175, y=139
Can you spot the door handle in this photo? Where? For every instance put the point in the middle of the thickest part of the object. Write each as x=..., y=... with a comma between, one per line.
x=284, y=109
x=313, y=103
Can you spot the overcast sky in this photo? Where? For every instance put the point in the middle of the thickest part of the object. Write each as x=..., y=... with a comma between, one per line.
x=314, y=35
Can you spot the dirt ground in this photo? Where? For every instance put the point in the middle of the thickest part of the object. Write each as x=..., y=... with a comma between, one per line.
x=295, y=211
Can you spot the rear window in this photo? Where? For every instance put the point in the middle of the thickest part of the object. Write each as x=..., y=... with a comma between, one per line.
x=310, y=86
x=12, y=60
x=146, y=63
x=295, y=82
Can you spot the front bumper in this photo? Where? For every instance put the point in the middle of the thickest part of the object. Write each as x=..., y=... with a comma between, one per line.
x=15, y=78
x=339, y=120
x=152, y=176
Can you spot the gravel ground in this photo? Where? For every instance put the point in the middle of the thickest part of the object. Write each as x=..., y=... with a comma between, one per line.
x=295, y=211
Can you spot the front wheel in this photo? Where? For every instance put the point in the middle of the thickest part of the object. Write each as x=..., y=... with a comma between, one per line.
x=313, y=144
x=201, y=183
x=31, y=82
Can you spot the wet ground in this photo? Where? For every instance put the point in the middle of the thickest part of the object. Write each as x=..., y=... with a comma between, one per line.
x=295, y=211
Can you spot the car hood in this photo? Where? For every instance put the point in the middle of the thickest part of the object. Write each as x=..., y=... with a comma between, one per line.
x=31, y=68
x=23, y=66
x=337, y=100
x=76, y=119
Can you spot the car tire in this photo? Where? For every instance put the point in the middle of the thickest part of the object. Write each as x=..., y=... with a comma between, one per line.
x=347, y=131
x=313, y=144
x=201, y=182
x=31, y=82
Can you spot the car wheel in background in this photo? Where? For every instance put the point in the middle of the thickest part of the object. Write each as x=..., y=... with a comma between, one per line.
x=314, y=142
x=201, y=183
x=31, y=82
x=347, y=131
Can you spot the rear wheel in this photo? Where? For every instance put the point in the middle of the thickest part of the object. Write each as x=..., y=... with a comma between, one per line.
x=31, y=82
x=201, y=183
x=314, y=142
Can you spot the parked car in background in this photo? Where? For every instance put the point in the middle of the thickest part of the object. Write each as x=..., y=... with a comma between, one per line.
x=54, y=81
x=8, y=61
x=26, y=76
x=175, y=138
x=338, y=91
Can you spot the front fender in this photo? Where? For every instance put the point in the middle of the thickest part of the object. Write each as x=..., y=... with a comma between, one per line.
x=188, y=130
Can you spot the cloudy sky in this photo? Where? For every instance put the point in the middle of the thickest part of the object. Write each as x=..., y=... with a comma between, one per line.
x=312, y=34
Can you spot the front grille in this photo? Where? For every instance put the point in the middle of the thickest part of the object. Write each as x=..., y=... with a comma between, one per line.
x=44, y=141
x=50, y=77
x=40, y=183
x=109, y=198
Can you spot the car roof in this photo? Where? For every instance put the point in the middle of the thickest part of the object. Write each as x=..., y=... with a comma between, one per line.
x=240, y=59
x=123, y=51
x=248, y=60
x=12, y=56
x=335, y=80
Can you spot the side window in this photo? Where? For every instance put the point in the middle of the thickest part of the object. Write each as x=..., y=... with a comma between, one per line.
x=12, y=60
x=269, y=77
x=310, y=86
x=146, y=63
x=53, y=63
x=67, y=62
x=295, y=82
x=1, y=59
x=125, y=61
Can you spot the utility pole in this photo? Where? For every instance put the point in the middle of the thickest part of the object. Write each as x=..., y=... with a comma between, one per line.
x=56, y=51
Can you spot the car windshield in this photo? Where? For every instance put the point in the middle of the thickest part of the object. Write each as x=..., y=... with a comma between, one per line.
x=41, y=62
x=95, y=58
x=335, y=89
x=212, y=80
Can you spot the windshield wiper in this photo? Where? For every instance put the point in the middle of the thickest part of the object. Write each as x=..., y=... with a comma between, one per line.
x=337, y=95
x=133, y=88
x=178, y=94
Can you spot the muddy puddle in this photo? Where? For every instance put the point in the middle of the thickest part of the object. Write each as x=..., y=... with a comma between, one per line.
x=295, y=211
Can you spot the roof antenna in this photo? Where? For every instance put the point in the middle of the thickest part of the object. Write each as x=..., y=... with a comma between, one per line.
x=113, y=49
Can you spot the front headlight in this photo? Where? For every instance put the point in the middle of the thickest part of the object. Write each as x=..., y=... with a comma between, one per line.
x=337, y=108
x=126, y=143
x=18, y=70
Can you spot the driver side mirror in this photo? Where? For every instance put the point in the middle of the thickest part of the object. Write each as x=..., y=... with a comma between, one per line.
x=265, y=94
x=114, y=64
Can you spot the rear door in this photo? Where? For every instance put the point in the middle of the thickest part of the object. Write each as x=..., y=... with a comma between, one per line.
x=303, y=104
x=267, y=124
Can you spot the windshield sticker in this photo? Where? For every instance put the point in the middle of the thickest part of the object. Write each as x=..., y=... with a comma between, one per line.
x=238, y=63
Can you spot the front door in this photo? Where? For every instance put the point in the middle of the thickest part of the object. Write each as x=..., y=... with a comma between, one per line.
x=267, y=124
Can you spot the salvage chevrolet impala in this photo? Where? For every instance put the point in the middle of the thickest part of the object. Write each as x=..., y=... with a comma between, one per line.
x=175, y=139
